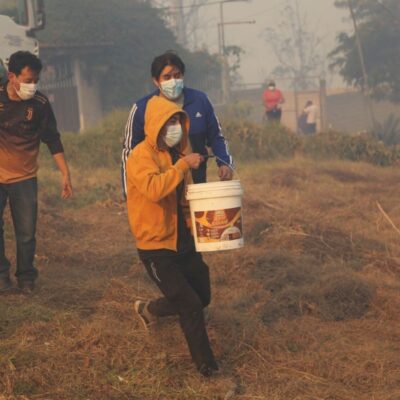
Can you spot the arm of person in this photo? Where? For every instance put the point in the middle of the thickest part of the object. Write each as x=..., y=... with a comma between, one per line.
x=145, y=175
x=218, y=144
x=62, y=165
x=134, y=134
x=51, y=137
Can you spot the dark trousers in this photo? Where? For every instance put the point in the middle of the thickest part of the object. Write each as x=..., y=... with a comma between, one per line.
x=184, y=281
x=22, y=197
x=311, y=128
x=200, y=175
x=274, y=115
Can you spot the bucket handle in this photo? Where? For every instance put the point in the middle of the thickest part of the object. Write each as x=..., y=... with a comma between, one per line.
x=206, y=157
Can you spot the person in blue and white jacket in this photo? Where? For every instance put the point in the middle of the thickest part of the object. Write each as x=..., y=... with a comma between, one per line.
x=167, y=71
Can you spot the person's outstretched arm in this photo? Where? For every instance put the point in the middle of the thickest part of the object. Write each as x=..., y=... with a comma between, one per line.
x=218, y=144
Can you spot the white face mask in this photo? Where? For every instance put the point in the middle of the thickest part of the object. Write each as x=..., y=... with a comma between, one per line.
x=173, y=135
x=26, y=90
x=172, y=88
x=271, y=87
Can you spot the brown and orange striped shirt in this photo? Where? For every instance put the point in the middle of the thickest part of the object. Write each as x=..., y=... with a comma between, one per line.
x=23, y=125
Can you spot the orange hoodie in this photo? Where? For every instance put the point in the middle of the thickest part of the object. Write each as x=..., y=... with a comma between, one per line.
x=152, y=180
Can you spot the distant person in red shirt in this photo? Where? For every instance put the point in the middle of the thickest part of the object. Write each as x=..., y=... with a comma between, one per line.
x=273, y=98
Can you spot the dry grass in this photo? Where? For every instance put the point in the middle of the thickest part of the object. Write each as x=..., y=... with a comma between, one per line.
x=307, y=310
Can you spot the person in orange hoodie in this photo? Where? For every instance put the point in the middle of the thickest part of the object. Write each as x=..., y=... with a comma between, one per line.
x=158, y=171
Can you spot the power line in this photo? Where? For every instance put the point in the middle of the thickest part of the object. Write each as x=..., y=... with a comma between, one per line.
x=264, y=11
x=196, y=5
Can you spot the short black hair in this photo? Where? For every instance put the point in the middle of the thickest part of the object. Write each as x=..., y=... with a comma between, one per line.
x=168, y=58
x=21, y=59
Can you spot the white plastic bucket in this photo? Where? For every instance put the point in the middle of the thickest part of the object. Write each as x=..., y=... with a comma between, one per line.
x=216, y=213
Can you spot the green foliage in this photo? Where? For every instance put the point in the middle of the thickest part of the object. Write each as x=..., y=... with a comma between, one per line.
x=101, y=147
x=124, y=37
x=239, y=110
x=350, y=147
x=380, y=35
x=388, y=131
x=250, y=141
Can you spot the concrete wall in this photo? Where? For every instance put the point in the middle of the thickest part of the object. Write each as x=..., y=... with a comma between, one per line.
x=348, y=112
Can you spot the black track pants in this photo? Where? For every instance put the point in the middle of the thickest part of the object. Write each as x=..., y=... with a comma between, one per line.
x=184, y=281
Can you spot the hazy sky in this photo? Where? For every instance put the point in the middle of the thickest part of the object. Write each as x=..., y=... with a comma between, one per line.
x=323, y=18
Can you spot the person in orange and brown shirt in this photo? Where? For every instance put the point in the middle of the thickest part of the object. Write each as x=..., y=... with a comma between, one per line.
x=26, y=119
x=158, y=171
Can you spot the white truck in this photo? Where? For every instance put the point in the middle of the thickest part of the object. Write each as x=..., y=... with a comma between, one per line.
x=18, y=33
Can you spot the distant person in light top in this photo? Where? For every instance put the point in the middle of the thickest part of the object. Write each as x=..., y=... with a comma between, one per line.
x=26, y=119
x=311, y=113
x=273, y=100
x=167, y=71
x=158, y=172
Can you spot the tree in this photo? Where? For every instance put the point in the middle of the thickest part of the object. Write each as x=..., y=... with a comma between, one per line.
x=183, y=19
x=379, y=29
x=128, y=34
x=234, y=54
x=296, y=47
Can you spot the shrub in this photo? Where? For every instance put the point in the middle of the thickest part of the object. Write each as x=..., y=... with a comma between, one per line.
x=349, y=147
x=388, y=131
x=251, y=141
x=101, y=146
x=98, y=147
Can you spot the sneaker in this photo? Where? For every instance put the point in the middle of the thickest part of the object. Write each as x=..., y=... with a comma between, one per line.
x=5, y=284
x=206, y=314
x=26, y=286
x=145, y=317
x=209, y=370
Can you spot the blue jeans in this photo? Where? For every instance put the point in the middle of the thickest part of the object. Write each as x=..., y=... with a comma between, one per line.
x=22, y=197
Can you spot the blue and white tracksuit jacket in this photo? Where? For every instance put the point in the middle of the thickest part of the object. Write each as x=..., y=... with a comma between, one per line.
x=205, y=130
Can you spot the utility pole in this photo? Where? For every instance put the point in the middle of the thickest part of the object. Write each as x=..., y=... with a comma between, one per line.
x=224, y=61
x=366, y=88
x=180, y=23
x=222, y=52
x=298, y=29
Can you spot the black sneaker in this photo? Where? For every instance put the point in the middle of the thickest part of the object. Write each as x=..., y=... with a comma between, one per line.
x=26, y=286
x=209, y=370
x=145, y=317
x=206, y=314
x=5, y=284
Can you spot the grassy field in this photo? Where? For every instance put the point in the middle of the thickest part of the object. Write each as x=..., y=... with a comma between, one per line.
x=309, y=309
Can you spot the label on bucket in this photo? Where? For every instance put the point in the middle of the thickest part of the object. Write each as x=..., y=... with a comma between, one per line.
x=218, y=225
